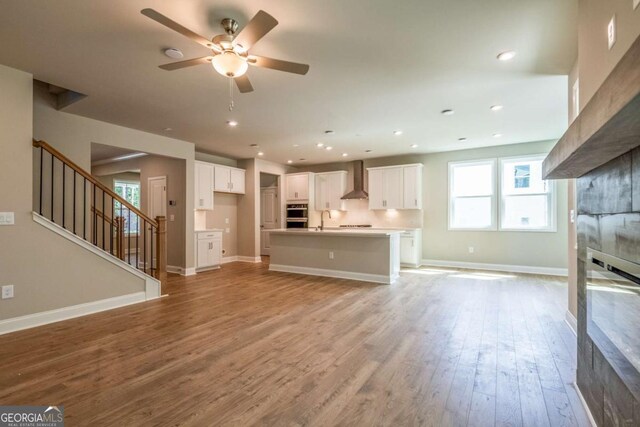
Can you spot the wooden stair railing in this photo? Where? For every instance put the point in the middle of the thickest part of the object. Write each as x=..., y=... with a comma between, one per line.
x=77, y=201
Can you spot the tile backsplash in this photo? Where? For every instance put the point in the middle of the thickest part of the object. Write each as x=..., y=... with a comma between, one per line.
x=358, y=213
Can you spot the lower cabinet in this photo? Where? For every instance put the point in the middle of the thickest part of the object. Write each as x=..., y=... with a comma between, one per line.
x=208, y=249
x=411, y=248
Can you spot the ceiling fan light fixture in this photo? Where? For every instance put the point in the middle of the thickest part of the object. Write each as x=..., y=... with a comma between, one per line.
x=230, y=64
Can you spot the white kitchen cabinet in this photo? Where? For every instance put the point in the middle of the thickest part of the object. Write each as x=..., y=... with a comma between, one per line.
x=208, y=249
x=299, y=187
x=395, y=187
x=385, y=188
x=229, y=180
x=330, y=187
x=412, y=186
x=204, y=186
x=411, y=248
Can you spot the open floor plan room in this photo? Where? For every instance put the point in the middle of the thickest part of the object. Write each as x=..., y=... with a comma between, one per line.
x=354, y=213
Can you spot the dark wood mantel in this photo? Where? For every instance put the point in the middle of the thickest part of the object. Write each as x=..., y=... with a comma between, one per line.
x=606, y=128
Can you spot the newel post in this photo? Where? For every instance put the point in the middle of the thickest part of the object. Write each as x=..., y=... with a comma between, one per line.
x=161, y=249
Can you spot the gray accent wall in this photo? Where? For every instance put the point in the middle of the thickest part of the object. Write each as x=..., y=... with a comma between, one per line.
x=608, y=221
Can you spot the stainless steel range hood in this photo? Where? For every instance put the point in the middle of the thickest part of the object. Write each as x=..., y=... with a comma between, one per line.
x=358, y=192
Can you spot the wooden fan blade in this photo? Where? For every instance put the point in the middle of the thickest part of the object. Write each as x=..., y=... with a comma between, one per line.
x=161, y=19
x=244, y=85
x=278, y=64
x=256, y=29
x=188, y=63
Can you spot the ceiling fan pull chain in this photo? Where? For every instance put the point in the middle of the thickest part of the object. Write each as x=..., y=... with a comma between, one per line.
x=230, y=94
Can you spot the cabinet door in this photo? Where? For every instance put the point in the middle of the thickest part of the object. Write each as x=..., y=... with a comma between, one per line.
x=204, y=253
x=215, y=254
x=376, y=189
x=204, y=186
x=336, y=185
x=408, y=250
x=237, y=181
x=222, y=179
x=321, y=200
x=298, y=187
x=392, y=188
x=291, y=187
x=412, y=183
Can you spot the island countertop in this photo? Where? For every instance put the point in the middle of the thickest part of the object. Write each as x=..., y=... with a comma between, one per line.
x=350, y=232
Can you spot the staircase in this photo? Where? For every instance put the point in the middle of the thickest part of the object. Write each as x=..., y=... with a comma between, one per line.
x=72, y=198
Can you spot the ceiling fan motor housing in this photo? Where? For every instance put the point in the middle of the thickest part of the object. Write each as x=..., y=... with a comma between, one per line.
x=230, y=26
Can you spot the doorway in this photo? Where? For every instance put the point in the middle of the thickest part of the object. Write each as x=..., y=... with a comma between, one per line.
x=157, y=196
x=269, y=209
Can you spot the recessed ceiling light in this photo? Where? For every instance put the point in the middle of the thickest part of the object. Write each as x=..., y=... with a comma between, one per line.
x=329, y=132
x=497, y=135
x=344, y=154
x=174, y=53
x=319, y=145
x=167, y=129
x=397, y=132
x=447, y=112
x=232, y=123
x=289, y=161
x=496, y=107
x=260, y=153
x=296, y=145
x=506, y=55
x=328, y=148
x=462, y=139
x=414, y=145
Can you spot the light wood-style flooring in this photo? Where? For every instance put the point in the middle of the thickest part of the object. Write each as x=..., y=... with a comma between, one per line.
x=245, y=346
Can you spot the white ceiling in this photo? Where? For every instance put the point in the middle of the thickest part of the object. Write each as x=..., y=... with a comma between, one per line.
x=376, y=66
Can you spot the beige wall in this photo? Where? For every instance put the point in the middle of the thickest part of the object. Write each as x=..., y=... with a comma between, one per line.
x=73, y=135
x=47, y=271
x=595, y=60
x=225, y=207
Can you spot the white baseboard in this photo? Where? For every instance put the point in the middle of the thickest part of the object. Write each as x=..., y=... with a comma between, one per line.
x=571, y=321
x=181, y=270
x=584, y=404
x=548, y=271
x=57, y=315
x=249, y=259
x=375, y=278
x=151, y=283
x=228, y=259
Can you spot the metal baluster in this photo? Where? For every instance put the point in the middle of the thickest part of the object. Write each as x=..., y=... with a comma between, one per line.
x=129, y=239
x=84, y=210
x=74, y=201
x=151, y=242
x=63, y=192
x=113, y=218
x=144, y=253
x=95, y=216
x=103, y=219
x=41, y=173
x=52, y=158
x=138, y=242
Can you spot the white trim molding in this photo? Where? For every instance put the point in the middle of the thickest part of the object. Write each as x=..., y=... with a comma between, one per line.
x=65, y=313
x=364, y=277
x=228, y=259
x=547, y=271
x=181, y=270
x=248, y=258
x=584, y=404
x=570, y=319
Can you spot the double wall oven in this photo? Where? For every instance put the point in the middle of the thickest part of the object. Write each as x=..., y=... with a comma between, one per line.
x=297, y=215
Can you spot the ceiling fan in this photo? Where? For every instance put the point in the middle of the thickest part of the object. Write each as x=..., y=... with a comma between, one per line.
x=230, y=51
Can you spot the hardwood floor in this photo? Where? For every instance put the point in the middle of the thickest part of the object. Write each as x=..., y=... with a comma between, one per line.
x=244, y=346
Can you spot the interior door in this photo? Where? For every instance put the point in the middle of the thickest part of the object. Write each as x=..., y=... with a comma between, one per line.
x=157, y=196
x=269, y=208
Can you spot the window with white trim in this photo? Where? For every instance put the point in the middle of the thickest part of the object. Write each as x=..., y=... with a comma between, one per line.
x=130, y=191
x=472, y=195
x=527, y=201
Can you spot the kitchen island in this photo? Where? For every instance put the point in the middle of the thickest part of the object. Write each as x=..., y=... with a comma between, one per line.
x=366, y=255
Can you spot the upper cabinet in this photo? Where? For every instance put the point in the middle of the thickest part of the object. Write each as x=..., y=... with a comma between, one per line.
x=395, y=187
x=299, y=187
x=330, y=187
x=228, y=179
x=204, y=186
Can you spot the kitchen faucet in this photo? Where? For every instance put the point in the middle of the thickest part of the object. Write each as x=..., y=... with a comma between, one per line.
x=322, y=218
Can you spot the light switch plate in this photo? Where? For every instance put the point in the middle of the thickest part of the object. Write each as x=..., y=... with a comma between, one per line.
x=7, y=291
x=635, y=4
x=611, y=32
x=7, y=218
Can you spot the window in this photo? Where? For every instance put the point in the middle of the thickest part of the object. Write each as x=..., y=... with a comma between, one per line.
x=472, y=200
x=130, y=191
x=527, y=201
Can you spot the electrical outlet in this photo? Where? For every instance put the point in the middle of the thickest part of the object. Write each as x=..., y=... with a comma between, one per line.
x=611, y=32
x=7, y=291
x=471, y=249
x=172, y=218
x=227, y=230
x=7, y=218
x=226, y=220
x=330, y=254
